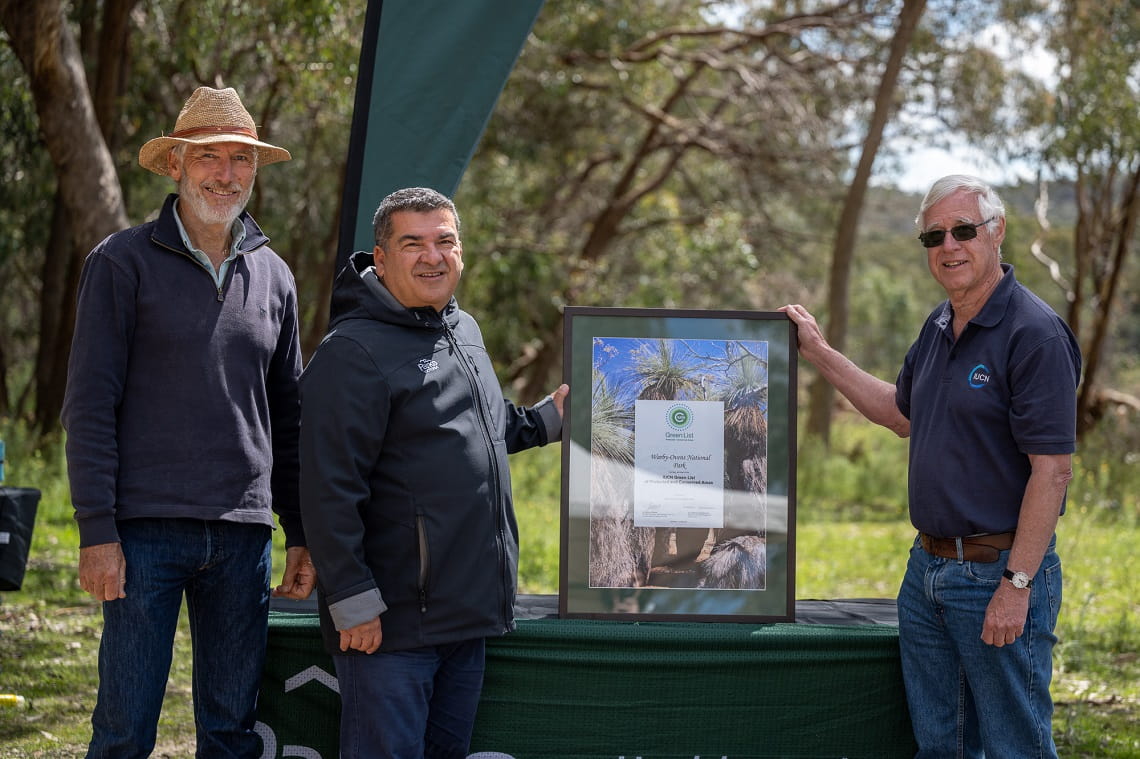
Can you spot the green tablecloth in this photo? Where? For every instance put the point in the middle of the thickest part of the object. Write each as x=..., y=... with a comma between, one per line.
x=583, y=689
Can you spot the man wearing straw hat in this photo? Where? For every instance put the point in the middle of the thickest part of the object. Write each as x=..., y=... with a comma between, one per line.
x=182, y=418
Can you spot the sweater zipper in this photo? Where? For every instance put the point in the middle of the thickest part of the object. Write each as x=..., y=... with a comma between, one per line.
x=488, y=440
x=196, y=262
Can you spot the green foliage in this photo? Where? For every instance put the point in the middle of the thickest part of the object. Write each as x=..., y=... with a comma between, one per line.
x=25, y=208
x=42, y=465
x=1088, y=131
x=753, y=152
x=1094, y=123
x=863, y=477
x=885, y=313
x=294, y=64
x=1106, y=474
x=635, y=158
x=537, y=492
x=955, y=85
x=49, y=630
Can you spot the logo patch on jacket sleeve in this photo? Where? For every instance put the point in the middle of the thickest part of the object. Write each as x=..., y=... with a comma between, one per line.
x=427, y=365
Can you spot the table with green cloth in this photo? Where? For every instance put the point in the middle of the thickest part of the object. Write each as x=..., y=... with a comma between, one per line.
x=828, y=686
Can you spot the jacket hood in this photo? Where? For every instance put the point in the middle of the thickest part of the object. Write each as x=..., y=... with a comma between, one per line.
x=359, y=294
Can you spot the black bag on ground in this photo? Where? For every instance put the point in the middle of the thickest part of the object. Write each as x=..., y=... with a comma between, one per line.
x=17, y=515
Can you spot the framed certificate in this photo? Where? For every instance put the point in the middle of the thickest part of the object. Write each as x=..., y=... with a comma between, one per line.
x=678, y=465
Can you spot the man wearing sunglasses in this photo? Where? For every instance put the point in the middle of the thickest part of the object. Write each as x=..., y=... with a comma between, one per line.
x=987, y=396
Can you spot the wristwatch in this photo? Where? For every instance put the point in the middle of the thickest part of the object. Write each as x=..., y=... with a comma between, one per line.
x=1019, y=579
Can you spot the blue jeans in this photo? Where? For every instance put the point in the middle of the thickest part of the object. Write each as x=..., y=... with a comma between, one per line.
x=223, y=569
x=969, y=700
x=415, y=704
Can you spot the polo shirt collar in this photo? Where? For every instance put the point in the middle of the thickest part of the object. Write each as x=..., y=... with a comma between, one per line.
x=994, y=308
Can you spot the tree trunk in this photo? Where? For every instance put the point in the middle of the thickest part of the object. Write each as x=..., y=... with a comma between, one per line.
x=1121, y=233
x=89, y=204
x=532, y=379
x=59, y=279
x=822, y=394
x=5, y=405
x=319, y=271
x=111, y=70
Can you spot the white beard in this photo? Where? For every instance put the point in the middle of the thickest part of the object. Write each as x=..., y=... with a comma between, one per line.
x=201, y=207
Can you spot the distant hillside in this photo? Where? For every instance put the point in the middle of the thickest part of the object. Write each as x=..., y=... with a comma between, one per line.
x=1062, y=201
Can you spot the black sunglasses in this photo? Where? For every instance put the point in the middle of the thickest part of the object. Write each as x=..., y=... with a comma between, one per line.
x=960, y=232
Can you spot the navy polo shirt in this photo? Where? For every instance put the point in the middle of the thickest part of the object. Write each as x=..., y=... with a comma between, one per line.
x=980, y=405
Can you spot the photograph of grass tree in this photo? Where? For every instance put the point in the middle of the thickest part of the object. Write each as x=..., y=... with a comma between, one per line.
x=729, y=552
x=678, y=465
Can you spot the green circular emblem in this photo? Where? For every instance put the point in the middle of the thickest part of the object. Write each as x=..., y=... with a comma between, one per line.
x=680, y=416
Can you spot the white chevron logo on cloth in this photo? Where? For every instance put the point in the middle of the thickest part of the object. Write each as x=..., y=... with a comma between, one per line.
x=308, y=675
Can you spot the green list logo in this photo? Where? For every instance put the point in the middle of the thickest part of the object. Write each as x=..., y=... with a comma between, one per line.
x=680, y=416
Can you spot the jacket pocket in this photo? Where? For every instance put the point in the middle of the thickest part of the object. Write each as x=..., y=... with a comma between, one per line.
x=425, y=561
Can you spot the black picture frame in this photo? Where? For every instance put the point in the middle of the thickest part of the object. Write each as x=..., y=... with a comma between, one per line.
x=693, y=518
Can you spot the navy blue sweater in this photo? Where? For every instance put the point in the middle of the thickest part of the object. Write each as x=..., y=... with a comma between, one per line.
x=182, y=398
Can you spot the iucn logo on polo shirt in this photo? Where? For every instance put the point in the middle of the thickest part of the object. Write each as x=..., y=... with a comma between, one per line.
x=979, y=376
x=427, y=365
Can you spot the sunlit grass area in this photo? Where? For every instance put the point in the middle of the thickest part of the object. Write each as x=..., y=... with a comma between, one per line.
x=851, y=541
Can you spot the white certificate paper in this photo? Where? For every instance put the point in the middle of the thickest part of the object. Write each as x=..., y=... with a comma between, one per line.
x=679, y=464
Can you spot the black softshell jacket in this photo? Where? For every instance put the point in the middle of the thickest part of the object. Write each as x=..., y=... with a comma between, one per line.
x=405, y=489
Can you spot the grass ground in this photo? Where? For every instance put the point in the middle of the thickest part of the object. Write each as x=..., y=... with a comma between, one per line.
x=49, y=631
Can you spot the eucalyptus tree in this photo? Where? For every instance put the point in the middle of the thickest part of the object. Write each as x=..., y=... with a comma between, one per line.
x=843, y=250
x=88, y=202
x=939, y=80
x=666, y=154
x=294, y=63
x=25, y=202
x=105, y=77
x=1091, y=136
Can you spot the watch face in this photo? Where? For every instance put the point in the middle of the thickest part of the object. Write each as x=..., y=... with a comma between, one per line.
x=1019, y=579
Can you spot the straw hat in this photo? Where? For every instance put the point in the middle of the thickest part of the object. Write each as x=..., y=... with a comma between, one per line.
x=210, y=116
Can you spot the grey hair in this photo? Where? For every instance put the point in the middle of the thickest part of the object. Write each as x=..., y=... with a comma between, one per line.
x=417, y=199
x=989, y=204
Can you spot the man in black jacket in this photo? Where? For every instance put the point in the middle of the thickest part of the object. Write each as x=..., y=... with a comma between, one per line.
x=405, y=488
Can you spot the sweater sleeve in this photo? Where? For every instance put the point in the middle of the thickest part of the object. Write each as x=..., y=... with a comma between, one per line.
x=344, y=418
x=283, y=392
x=96, y=376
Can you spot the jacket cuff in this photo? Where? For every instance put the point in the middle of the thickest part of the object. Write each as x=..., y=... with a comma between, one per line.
x=358, y=609
x=294, y=530
x=551, y=419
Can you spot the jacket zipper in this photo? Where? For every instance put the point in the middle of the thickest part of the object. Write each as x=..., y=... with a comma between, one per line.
x=488, y=440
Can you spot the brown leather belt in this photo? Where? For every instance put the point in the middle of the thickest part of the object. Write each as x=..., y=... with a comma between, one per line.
x=982, y=548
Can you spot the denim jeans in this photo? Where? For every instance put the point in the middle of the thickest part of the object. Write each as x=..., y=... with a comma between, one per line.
x=223, y=569
x=414, y=704
x=969, y=700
